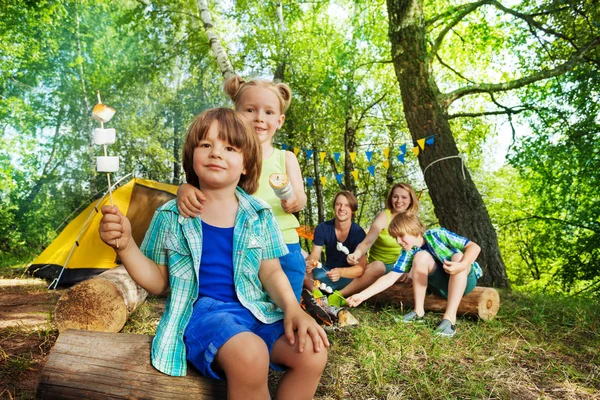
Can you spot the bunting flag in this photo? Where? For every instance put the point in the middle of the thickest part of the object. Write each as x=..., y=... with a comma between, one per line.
x=284, y=146
x=371, y=169
x=400, y=158
x=336, y=156
x=309, y=154
x=415, y=150
x=353, y=156
x=369, y=155
x=421, y=143
x=355, y=174
x=429, y=141
x=296, y=151
x=386, y=153
x=339, y=178
x=323, y=180
x=386, y=164
x=402, y=149
x=309, y=181
x=322, y=155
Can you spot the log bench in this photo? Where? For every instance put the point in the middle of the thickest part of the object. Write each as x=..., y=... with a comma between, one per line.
x=482, y=302
x=103, y=365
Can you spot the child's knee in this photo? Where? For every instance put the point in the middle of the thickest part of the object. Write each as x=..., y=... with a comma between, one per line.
x=252, y=356
x=310, y=360
x=422, y=262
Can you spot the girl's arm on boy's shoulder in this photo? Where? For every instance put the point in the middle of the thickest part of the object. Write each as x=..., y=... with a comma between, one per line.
x=296, y=320
x=378, y=286
x=298, y=201
x=189, y=200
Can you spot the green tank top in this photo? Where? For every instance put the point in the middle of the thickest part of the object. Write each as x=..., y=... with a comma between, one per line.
x=385, y=248
x=287, y=222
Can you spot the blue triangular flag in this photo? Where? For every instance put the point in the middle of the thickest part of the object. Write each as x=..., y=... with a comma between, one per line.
x=369, y=154
x=371, y=169
x=309, y=154
x=402, y=149
x=336, y=156
x=400, y=157
x=429, y=141
x=339, y=178
x=284, y=146
x=309, y=181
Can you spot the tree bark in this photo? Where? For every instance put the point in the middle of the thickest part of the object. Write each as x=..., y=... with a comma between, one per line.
x=458, y=204
x=103, y=303
x=100, y=365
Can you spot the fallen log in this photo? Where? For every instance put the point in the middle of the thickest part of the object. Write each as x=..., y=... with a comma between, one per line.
x=102, y=365
x=482, y=302
x=103, y=303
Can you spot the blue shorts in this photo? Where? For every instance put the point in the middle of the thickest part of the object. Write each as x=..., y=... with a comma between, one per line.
x=213, y=323
x=319, y=273
x=294, y=266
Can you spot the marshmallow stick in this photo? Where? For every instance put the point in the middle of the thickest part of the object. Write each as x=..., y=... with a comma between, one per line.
x=103, y=114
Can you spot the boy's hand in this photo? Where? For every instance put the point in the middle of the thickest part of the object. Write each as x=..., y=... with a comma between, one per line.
x=114, y=225
x=189, y=200
x=405, y=278
x=300, y=322
x=334, y=274
x=454, y=267
x=353, y=258
x=355, y=299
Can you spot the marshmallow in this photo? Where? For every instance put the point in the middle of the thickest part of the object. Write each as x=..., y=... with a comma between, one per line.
x=104, y=136
x=342, y=248
x=107, y=164
x=102, y=112
x=317, y=264
x=281, y=186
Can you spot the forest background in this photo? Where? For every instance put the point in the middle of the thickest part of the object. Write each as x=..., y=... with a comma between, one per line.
x=490, y=109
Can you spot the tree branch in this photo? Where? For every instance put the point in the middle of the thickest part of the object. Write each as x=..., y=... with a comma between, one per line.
x=448, y=98
x=562, y=221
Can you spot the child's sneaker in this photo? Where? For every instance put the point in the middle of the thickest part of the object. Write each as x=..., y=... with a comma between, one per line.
x=445, y=328
x=314, y=309
x=413, y=317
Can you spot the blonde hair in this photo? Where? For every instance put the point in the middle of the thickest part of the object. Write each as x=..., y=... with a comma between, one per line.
x=406, y=224
x=235, y=87
x=414, y=202
x=234, y=130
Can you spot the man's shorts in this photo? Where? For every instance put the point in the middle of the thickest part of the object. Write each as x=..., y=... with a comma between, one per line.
x=213, y=323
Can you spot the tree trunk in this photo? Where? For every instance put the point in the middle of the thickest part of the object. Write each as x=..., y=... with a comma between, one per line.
x=318, y=188
x=458, y=204
x=100, y=365
x=177, y=134
x=103, y=303
x=482, y=302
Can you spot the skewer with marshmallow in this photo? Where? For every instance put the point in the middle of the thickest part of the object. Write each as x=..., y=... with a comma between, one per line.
x=102, y=113
x=342, y=248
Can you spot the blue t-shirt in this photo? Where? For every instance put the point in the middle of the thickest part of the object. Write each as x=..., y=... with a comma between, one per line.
x=325, y=236
x=215, y=278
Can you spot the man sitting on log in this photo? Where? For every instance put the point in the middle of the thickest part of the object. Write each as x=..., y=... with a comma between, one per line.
x=438, y=260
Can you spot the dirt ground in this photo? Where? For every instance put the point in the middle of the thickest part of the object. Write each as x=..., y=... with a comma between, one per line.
x=26, y=335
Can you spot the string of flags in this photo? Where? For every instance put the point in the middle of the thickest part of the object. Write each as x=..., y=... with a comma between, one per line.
x=403, y=148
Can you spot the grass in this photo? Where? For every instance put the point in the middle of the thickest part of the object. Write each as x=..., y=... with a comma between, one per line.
x=538, y=347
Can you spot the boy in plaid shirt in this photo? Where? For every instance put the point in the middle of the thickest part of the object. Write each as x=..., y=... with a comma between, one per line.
x=435, y=259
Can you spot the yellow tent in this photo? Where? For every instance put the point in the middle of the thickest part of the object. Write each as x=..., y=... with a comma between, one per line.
x=78, y=253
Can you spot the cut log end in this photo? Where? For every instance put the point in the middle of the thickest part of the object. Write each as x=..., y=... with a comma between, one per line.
x=93, y=305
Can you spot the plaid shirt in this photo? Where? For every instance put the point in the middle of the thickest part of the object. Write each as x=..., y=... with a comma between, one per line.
x=176, y=242
x=442, y=244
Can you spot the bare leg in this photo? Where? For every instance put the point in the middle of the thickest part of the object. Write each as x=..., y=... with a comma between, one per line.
x=301, y=379
x=423, y=264
x=373, y=271
x=456, y=290
x=309, y=281
x=245, y=360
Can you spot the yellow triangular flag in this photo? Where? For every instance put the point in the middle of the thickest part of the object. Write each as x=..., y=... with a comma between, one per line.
x=352, y=156
x=296, y=151
x=386, y=164
x=355, y=173
x=323, y=180
x=415, y=150
x=421, y=143
x=386, y=152
x=322, y=155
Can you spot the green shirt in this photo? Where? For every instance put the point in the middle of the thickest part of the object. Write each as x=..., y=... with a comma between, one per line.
x=176, y=242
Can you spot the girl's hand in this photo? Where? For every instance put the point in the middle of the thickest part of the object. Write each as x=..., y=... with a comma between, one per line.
x=114, y=226
x=355, y=299
x=454, y=267
x=291, y=205
x=189, y=200
x=353, y=258
x=300, y=322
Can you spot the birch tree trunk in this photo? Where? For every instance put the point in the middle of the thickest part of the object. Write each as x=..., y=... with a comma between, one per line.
x=215, y=44
x=458, y=204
